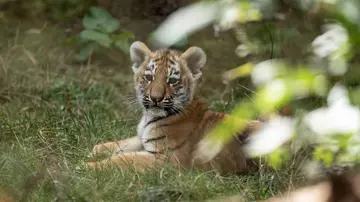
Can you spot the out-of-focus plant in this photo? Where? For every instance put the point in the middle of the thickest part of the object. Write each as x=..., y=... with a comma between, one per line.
x=101, y=31
x=334, y=129
x=53, y=9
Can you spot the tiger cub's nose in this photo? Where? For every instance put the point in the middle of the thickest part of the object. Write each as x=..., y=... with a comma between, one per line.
x=156, y=99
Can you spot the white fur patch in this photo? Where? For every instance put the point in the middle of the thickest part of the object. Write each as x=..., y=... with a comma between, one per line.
x=151, y=67
x=144, y=129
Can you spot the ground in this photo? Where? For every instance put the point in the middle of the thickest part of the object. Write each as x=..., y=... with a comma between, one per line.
x=52, y=112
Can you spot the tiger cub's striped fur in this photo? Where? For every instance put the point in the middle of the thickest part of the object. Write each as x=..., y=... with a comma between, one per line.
x=174, y=120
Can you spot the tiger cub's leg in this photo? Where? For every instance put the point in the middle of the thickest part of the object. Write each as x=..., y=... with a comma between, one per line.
x=139, y=159
x=126, y=145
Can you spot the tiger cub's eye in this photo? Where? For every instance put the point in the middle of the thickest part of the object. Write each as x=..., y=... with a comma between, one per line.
x=173, y=81
x=148, y=77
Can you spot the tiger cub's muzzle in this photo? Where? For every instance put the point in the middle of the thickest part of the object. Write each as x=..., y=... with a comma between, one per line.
x=157, y=102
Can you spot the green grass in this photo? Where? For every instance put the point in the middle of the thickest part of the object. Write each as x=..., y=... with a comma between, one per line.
x=52, y=112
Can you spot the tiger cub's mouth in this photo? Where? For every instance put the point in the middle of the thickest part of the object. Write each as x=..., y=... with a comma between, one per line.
x=158, y=106
x=169, y=108
x=153, y=103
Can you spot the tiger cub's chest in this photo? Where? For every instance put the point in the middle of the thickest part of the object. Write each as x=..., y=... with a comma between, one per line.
x=151, y=139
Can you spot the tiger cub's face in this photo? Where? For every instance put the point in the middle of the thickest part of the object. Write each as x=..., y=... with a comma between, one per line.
x=165, y=79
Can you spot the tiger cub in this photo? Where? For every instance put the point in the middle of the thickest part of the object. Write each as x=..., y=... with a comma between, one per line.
x=174, y=120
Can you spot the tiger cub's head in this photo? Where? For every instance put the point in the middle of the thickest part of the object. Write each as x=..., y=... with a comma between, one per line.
x=165, y=79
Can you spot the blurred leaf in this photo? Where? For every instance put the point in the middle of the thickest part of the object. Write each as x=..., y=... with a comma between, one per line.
x=71, y=41
x=121, y=41
x=248, y=12
x=212, y=144
x=272, y=96
x=181, y=23
x=342, y=140
x=278, y=157
x=182, y=42
x=85, y=51
x=89, y=22
x=354, y=95
x=276, y=131
x=122, y=45
x=324, y=154
x=101, y=20
x=122, y=36
x=102, y=39
x=241, y=71
x=111, y=26
x=100, y=13
x=244, y=50
x=289, y=32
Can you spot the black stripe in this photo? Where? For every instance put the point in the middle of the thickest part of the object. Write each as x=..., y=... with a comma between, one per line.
x=155, y=119
x=153, y=152
x=156, y=138
x=170, y=113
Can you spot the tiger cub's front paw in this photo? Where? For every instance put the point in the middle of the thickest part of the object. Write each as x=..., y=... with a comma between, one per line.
x=105, y=148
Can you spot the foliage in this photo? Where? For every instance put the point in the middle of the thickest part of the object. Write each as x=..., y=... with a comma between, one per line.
x=335, y=128
x=54, y=9
x=101, y=30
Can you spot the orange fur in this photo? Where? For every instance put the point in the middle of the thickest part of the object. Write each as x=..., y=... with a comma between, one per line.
x=174, y=136
x=4, y=197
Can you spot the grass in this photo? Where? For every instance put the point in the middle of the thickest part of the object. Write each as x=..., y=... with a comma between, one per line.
x=52, y=112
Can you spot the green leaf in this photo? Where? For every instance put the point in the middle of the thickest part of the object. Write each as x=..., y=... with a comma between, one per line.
x=324, y=154
x=101, y=38
x=111, y=26
x=101, y=20
x=236, y=122
x=89, y=22
x=85, y=51
x=354, y=95
x=123, y=36
x=273, y=96
x=121, y=41
x=241, y=71
x=70, y=41
x=123, y=45
x=100, y=13
x=343, y=140
x=278, y=157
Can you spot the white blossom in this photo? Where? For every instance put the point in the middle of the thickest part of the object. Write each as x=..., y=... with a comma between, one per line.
x=275, y=90
x=332, y=47
x=340, y=117
x=329, y=42
x=207, y=149
x=338, y=67
x=229, y=17
x=243, y=50
x=265, y=71
x=185, y=21
x=338, y=94
x=272, y=135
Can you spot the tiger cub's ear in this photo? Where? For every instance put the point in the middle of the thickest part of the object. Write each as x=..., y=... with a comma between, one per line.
x=138, y=53
x=195, y=58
